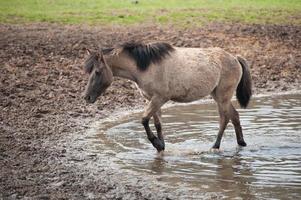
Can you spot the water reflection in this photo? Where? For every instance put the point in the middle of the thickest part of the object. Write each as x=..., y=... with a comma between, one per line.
x=269, y=167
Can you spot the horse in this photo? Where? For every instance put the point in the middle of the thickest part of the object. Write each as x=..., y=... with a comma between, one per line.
x=164, y=72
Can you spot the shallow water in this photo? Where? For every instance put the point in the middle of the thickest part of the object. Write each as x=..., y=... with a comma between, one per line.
x=269, y=167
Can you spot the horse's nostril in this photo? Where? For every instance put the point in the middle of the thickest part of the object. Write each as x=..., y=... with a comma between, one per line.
x=87, y=98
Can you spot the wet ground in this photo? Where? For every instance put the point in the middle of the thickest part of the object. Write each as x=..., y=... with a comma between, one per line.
x=42, y=110
x=269, y=167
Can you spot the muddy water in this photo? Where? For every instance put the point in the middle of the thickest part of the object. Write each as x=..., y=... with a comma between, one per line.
x=269, y=167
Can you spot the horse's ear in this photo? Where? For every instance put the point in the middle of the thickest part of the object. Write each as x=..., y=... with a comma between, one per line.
x=101, y=56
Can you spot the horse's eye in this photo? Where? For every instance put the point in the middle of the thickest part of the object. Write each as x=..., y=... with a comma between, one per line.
x=97, y=72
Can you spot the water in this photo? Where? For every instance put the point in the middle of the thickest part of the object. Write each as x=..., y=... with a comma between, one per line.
x=269, y=167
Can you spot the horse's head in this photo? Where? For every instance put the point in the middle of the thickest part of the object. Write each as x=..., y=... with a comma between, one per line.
x=101, y=76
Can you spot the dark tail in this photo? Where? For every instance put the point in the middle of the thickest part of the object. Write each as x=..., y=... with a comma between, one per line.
x=244, y=88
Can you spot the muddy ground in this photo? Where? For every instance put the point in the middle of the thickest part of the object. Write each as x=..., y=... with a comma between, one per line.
x=41, y=82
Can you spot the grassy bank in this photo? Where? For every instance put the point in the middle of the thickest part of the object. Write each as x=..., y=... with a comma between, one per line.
x=178, y=12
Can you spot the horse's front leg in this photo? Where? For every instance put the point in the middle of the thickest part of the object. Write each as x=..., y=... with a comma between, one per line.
x=151, y=109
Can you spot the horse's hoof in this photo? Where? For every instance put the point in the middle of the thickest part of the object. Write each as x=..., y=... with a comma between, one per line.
x=242, y=143
x=215, y=150
x=215, y=146
x=158, y=144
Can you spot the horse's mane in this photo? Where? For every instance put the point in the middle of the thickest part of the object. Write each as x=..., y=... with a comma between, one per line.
x=145, y=54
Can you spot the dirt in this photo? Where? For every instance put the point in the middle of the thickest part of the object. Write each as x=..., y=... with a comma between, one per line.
x=42, y=106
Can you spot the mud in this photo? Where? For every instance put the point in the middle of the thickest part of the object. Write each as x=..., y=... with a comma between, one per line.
x=41, y=106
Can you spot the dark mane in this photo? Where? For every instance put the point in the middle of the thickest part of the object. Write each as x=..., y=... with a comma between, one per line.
x=145, y=54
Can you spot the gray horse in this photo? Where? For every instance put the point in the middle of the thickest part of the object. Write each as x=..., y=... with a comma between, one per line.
x=163, y=72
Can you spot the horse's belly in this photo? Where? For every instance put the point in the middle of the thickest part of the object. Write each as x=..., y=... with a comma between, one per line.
x=186, y=99
x=189, y=94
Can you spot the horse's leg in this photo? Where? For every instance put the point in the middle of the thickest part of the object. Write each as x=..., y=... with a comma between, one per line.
x=236, y=122
x=157, y=123
x=223, y=110
x=153, y=106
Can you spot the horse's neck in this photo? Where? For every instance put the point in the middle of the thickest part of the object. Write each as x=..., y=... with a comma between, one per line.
x=122, y=66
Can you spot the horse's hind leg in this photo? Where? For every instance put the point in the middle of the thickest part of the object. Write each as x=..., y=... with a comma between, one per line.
x=223, y=110
x=236, y=123
x=157, y=123
x=226, y=112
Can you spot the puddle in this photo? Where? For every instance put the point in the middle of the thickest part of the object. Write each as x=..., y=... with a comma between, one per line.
x=269, y=167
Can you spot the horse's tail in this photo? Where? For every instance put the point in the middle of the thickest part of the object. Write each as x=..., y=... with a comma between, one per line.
x=244, y=88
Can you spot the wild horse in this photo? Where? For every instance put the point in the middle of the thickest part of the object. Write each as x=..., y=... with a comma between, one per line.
x=163, y=72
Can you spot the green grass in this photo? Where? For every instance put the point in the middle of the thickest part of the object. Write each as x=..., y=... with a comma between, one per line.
x=176, y=12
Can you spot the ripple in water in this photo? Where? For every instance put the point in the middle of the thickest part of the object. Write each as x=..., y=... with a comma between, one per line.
x=269, y=167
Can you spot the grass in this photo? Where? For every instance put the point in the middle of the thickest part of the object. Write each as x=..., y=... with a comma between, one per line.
x=176, y=12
